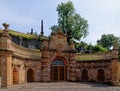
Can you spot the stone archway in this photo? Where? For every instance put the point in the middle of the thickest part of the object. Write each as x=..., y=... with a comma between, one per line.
x=84, y=75
x=58, y=70
x=30, y=75
x=15, y=76
x=101, y=75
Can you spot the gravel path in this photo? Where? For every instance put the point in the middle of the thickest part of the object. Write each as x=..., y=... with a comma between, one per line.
x=62, y=86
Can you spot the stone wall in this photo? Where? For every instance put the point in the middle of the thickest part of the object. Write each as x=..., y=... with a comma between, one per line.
x=16, y=61
x=21, y=65
x=92, y=67
x=92, y=64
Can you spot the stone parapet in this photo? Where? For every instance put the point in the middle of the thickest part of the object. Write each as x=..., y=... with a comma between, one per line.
x=95, y=56
x=24, y=52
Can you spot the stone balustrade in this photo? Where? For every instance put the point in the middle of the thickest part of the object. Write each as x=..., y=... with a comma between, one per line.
x=25, y=52
x=95, y=56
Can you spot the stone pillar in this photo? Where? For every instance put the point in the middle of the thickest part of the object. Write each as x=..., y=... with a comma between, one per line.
x=6, y=57
x=115, y=66
x=115, y=72
x=45, y=76
x=6, y=70
x=72, y=63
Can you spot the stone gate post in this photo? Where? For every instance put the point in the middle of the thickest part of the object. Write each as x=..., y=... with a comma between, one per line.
x=45, y=76
x=72, y=63
x=5, y=58
x=115, y=66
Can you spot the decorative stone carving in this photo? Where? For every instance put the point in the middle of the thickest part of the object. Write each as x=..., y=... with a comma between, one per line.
x=5, y=25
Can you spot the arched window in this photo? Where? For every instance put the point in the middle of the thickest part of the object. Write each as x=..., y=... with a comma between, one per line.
x=58, y=62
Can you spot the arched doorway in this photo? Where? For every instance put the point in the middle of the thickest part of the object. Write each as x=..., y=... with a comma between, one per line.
x=30, y=75
x=84, y=75
x=58, y=70
x=101, y=75
x=15, y=76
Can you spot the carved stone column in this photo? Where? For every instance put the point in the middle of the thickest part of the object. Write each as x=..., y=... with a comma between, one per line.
x=6, y=57
x=45, y=76
x=6, y=69
x=115, y=66
x=72, y=63
x=115, y=73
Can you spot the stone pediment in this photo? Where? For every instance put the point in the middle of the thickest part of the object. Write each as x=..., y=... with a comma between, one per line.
x=58, y=40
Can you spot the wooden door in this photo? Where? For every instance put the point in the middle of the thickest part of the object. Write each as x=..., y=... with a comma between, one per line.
x=58, y=73
x=0, y=68
x=30, y=75
x=55, y=73
x=15, y=76
x=101, y=75
x=61, y=73
x=84, y=75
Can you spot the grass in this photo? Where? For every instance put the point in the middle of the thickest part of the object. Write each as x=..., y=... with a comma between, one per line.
x=23, y=35
x=26, y=36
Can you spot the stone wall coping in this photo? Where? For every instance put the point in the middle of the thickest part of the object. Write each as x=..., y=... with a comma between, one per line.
x=94, y=56
x=25, y=52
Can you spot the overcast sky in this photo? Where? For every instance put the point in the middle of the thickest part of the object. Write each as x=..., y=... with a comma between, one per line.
x=103, y=16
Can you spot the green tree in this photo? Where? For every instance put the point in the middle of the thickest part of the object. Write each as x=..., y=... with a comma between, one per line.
x=99, y=48
x=71, y=23
x=107, y=40
x=81, y=46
